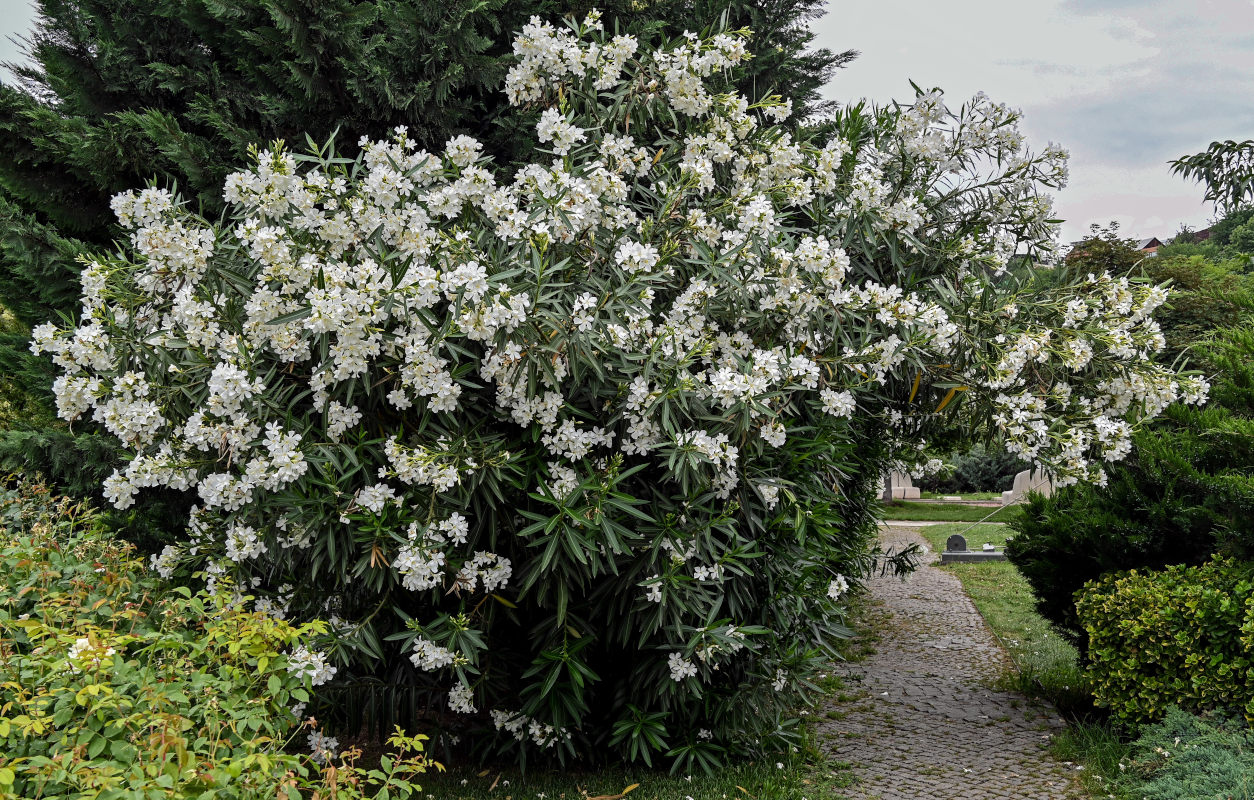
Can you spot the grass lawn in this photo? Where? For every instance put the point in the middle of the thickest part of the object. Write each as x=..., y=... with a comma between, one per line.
x=1045, y=660
x=1047, y=663
x=963, y=495
x=801, y=777
x=899, y=509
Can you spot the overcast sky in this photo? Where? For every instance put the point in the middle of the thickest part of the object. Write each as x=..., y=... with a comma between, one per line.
x=15, y=19
x=1124, y=85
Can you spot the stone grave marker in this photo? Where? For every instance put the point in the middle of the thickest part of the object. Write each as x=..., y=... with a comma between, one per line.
x=902, y=487
x=956, y=550
x=1028, y=480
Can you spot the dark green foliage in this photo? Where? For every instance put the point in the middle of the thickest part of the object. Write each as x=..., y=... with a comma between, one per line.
x=983, y=468
x=1185, y=492
x=1225, y=168
x=1103, y=250
x=600, y=630
x=19, y=369
x=1234, y=230
x=123, y=92
x=1231, y=238
x=1205, y=296
x=81, y=462
x=1182, y=636
x=1191, y=757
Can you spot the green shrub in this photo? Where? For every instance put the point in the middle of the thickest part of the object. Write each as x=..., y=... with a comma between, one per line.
x=113, y=684
x=1184, y=493
x=1207, y=296
x=1189, y=757
x=1183, y=636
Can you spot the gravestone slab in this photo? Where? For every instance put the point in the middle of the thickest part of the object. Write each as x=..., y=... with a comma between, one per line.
x=902, y=487
x=956, y=550
x=973, y=556
x=1028, y=481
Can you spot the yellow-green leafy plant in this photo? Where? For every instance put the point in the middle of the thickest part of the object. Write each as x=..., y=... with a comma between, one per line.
x=113, y=684
x=1183, y=636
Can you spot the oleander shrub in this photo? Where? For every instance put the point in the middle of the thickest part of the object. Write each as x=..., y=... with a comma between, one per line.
x=580, y=456
x=1182, y=636
x=113, y=683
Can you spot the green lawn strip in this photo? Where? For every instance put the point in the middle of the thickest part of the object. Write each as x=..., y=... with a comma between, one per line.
x=963, y=495
x=1047, y=664
x=804, y=775
x=1101, y=750
x=948, y=512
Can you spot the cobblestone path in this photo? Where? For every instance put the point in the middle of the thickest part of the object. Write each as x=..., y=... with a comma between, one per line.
x=917, y=719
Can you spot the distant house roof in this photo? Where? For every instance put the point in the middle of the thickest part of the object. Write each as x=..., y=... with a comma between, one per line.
x=1151, y=244
x=1202, y=235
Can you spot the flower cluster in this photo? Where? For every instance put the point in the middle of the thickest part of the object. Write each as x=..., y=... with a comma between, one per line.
x=306, y=663
x=323, y=748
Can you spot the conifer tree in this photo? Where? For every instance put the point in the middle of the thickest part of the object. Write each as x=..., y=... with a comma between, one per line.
x=120, y=92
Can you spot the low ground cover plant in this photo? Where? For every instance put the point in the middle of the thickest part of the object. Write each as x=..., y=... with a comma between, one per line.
x=114, y=684
x=1190, y=757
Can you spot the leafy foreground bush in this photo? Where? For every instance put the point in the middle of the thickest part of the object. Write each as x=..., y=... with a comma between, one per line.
x=1190, y=757
x=582, y=456
x=113, y=685
x=1180, y=637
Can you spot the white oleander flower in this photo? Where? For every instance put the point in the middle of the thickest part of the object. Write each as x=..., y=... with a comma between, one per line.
x=323, y=748
x=681, y=667
x=837, y=588
x=305, y=663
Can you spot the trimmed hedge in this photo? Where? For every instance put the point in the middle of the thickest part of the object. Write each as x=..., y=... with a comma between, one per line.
x=1183, y=636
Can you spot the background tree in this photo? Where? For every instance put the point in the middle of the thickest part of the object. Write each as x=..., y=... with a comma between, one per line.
x=121, y=92
x=1103, y=250
x=1231, y=238
x=1227, y=170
